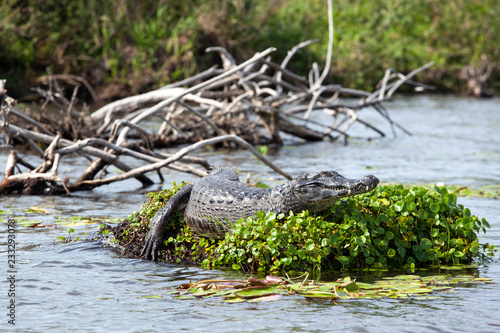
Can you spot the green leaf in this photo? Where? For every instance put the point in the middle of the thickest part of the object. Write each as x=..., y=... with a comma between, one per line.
x=344, y=260
x=434, y=207
x=422, y=256
x=425, y=244
x=257, y=292
x=451, y=199
x=401, y=251
x=310, y=245
x=398, y=206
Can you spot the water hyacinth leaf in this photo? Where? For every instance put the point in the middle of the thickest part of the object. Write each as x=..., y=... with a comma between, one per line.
x=425, y=244
x=360, y=241
x=422, y=256
x=451, y=199
x=310, y=245
x=411, y=206
x=343, y=260
x=434, y=207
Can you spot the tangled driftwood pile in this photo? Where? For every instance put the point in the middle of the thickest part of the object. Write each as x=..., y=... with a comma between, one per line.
x=247, y=104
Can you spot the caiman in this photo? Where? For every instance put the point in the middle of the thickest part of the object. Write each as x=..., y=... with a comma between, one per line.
x=219, y=199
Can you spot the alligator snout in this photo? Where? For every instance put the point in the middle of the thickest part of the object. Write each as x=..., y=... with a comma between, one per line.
x=370, y=181
x=363, y=185
x=366, y=184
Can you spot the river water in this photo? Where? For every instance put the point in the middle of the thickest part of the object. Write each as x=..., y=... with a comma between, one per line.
x=86, y=287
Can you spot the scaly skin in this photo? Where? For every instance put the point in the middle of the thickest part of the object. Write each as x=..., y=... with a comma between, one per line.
x=215, y=202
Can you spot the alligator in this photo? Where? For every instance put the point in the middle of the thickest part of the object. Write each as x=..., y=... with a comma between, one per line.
x=219, y=199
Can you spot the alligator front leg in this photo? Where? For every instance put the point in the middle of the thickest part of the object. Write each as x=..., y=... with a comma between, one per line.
x=162, y=217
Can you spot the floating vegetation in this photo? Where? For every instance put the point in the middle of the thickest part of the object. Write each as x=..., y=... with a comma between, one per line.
x=46, y=216
x=273, y=288
x=483, y=191
x=75, y=220
x=391, y=227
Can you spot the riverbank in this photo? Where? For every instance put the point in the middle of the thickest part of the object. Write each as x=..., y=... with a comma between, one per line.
x=123, y=48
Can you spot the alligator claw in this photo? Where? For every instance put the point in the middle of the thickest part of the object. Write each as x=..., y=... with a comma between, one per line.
x=151, y=248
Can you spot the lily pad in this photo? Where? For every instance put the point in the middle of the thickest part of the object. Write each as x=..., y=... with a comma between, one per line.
x=319, y=295
x=396, y=287
x=234, y=300
x=184, y=297
x=153, y=296
x=257, y=292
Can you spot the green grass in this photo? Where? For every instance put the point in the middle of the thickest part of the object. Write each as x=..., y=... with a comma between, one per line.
x=142, y=45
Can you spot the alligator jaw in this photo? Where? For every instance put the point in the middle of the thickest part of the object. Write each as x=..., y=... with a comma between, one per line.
x=326, y=187
x=354, y=187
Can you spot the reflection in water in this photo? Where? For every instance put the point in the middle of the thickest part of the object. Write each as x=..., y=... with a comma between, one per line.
x=86, y=287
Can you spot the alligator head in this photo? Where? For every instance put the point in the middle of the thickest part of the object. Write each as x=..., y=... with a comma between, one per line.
x=319, y=190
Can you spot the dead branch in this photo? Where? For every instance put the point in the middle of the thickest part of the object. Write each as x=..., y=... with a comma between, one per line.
x=251, y=103
x=184, y=151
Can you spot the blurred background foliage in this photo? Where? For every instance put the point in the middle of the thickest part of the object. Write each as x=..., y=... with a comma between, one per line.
x=125, y=47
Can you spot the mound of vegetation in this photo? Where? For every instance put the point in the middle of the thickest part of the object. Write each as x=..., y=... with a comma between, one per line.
x=391, y=227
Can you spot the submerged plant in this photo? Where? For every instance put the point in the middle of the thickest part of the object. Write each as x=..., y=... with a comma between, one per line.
x=391, y=227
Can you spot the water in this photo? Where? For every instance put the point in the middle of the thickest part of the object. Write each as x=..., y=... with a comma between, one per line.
x=86, y=287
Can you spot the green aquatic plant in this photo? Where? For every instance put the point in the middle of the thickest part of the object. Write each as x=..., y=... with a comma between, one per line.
x=68, y=238
x=482, y=191
x=391, y=227
x=273, y=288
